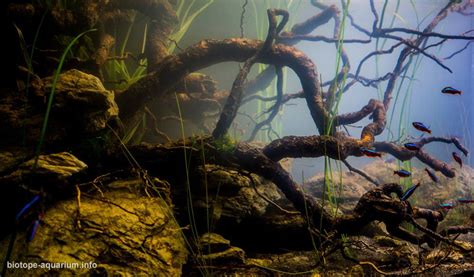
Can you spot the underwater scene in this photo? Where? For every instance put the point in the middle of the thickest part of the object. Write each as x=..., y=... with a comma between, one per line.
x=237, y=138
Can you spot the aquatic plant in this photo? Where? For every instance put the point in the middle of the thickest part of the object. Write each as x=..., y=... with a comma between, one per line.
x=51, y=95
x=187, y=13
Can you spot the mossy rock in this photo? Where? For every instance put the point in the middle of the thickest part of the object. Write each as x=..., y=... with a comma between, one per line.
x=121, y=231
x=388, y=241
x=213, y=242
x=81, y=98
x=9, y=158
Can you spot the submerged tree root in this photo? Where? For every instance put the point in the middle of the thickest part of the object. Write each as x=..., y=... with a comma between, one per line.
x=378, y=204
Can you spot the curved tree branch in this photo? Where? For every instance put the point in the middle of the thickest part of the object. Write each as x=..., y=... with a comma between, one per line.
x=209, y=52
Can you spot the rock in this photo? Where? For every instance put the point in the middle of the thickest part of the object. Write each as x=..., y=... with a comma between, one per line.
x=83, y=98
x=388, y=241
x=298, y=261
x=346, y=194
x=217, y=250
x=197, y=83
x=446, y=255
x=59, y=165
x=10, y=158
x=213, y=242
x=239, y=196
x=122, y=232
x=52, y=171
x=231, y=255
x=81, y=107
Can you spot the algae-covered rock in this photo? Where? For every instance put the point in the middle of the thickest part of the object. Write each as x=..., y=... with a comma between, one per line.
x=231, y=255
x=59, y=165
x=250, y=210
x=197, y=83
x=388, y=241
x=217, y=250
x=213, y=242
x=121, y=232
x=292, y=262
x=51, y=170
x=447, y=255
x=82, y=98
x=9, y=158
x=239, y=195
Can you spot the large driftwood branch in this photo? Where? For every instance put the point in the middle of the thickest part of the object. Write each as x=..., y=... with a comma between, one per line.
x=209, y=52
x=235, y=97
x=273, y=110
x=376, y=205
x=403, y=154
x=302, y=30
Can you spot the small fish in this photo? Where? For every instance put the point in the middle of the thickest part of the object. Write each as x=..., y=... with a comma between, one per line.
x=451, y=90
x=412, y=146
x=465, y=200
x=27, y=207
x=457, y=158
x=34, y=229
x=402, y=173
x=447, y=206
x=409, y=192
x=370, y=152
x=421, y=127
x=432, y=175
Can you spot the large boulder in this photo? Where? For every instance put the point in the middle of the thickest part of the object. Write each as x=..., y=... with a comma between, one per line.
x=117, y=233
x=81, y=108
x=82, y=97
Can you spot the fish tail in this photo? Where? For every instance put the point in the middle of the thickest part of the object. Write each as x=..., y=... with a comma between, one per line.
x=27, y=207
x=34, y=230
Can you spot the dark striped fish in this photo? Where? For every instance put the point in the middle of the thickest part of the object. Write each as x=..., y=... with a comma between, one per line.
x=409, y=192
x=370, y=152
x=457, y=158
x=402, y=173
x=451, y=90
x=412, y=146
x=465, y=200
x=432, y=175
x=421, y=127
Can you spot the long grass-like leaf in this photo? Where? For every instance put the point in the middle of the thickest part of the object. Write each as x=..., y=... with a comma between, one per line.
x=184, y=27
x=23, y=47
x=51, y=95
